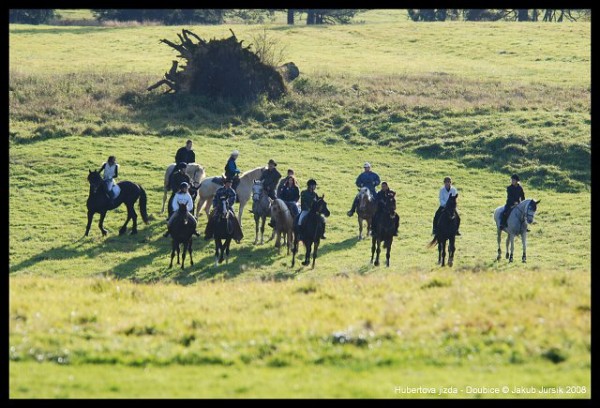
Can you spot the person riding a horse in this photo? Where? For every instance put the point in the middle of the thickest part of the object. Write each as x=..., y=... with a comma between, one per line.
x=282, y=182
x=228, y=194
x=270, y=177
x=307, y=198
x=289, y=193
x=111, y=172
x=177, y=177
x=446, y=191
x=182, y=197
x=515, y=194
x=231, y=169
x=368, y=179
x=382, y=199
x=185, y=154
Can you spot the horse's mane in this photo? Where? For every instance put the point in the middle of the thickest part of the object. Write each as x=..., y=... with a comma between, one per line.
x=250, y=171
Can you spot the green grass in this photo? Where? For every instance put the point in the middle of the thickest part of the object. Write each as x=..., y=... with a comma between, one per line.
x=104, y=317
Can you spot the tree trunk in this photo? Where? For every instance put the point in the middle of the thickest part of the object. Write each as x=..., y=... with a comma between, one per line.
x=535, y=14
x=548, y=15
x=290, y=16
x=523, y=15
x=310, y=16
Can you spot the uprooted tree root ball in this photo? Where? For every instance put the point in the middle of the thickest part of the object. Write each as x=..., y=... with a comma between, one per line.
x=223, y=68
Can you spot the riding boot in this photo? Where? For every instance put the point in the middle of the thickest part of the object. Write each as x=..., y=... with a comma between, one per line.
x=354, y=204
x=272, y=223
x=166, y=234
x=396, y=224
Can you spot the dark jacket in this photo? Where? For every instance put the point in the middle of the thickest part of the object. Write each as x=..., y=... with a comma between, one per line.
x=515, y=194
x=185, y=155
x=229, y=192
x=307, y=198
x=231, y=168
x=176, y=179
x=368, y=179
x=289, y=193
x=270, y=179
x=381, y=198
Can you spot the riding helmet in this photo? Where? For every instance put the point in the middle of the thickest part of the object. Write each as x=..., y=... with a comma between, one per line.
x=311, y=182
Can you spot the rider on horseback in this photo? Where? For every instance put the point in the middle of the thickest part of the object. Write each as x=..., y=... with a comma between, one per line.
x=270, y=177
x=289, y=193
x=228, y=193
x=367, y=179
x=382, y=199
x=446, y=191
x=231, y=170
x=182, y=197
x=515, y=195
x=185, y=154
x=175, y=179
x=111, y=172
x=307, y=198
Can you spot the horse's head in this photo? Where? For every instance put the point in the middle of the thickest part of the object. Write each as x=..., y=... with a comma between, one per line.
x=391, y=204
x=320, y=206
x=223, y=204
x=257, y=189
x=451, y=205
x=197, y=173
x=364, y=197
x=95, y=180
x=530, y=210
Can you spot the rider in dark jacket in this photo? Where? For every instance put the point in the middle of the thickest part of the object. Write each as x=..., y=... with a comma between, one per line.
x=177, y=177
x=270, y=177
x=307, y=198
x=185, y=154
x=515, y=195
x=381, y=198
x=231, y=169
x=217, y=211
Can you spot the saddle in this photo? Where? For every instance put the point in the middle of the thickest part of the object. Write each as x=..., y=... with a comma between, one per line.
x=219, y=180
x=116, y=190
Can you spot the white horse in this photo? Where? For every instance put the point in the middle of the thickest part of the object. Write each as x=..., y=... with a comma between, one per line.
x=194, y=170
x=521, y=215
x=207, y=190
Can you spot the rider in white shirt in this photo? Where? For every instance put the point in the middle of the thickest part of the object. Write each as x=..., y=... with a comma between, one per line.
x=111, y=171
x=182, y=197
x=445, y=192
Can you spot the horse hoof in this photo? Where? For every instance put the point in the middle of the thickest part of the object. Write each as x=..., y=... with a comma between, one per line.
x=450, y=263
x=498, y=258
x=376, y=263
x=510, y=260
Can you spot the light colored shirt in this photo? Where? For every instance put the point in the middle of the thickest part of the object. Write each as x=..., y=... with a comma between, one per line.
x=444, y=194
x=109, y=171
x=183, y=198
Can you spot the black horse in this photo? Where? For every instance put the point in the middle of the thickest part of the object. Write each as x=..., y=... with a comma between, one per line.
x=181, y=231
x=310, y=231
x=223, y=230
x=383, y=231
x=446, y=229
x=98, y=202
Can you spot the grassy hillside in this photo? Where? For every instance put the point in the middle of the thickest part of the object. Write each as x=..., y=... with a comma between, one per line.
x=105, y=317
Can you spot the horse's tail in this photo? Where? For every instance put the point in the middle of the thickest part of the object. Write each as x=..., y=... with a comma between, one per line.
x=433, y=242
x=143, y=201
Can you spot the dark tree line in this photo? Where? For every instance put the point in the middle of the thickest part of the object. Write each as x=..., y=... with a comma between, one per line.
x=557, y=15
x=30, y=16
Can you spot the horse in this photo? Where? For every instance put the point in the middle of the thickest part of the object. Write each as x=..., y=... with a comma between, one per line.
x=365, y=210
x=222, y=232
x=521, y=215
x=311, y=231
x=181, y=231
x=447, y=226
x=194, y=170
x=384, y=230
x=284, y=223
x=208, y=188
x=261, y=208
x=98, y=202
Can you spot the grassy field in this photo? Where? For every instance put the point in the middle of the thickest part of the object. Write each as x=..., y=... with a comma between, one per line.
x=104, y=317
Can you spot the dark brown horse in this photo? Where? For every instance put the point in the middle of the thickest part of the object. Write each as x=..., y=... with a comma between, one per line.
x=365, y=210
x=310, y=231
x=181, y=231
x=383, y=230
x=446, y=229
x=98, y=202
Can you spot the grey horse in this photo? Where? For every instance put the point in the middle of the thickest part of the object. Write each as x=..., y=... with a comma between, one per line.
x=521, y=215
x=261, y=208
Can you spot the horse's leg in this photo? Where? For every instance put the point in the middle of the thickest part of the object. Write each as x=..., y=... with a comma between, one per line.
x=217, y=245
x=373, y=239
x=164, y=201
x=378, y=251
x=241, y=211
x=499, y=244
x=178, y=251
x=123, y=229
x=294, y=250
x=360, y=228
x=444, y=252
x=184, y=245
x=90, y=215
x=387, y=254
x=512, y=247
x=288, y=238
x=256, y=221
x=308, y=251
x=451, y=249
x=227, y=243
x=315, y=253
x=101, y=223
x=207, y=207
x=524, y=240
x=134, y=218
x=507, y=243
x=439, y=252
x=262, y=230
x=172, y=253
